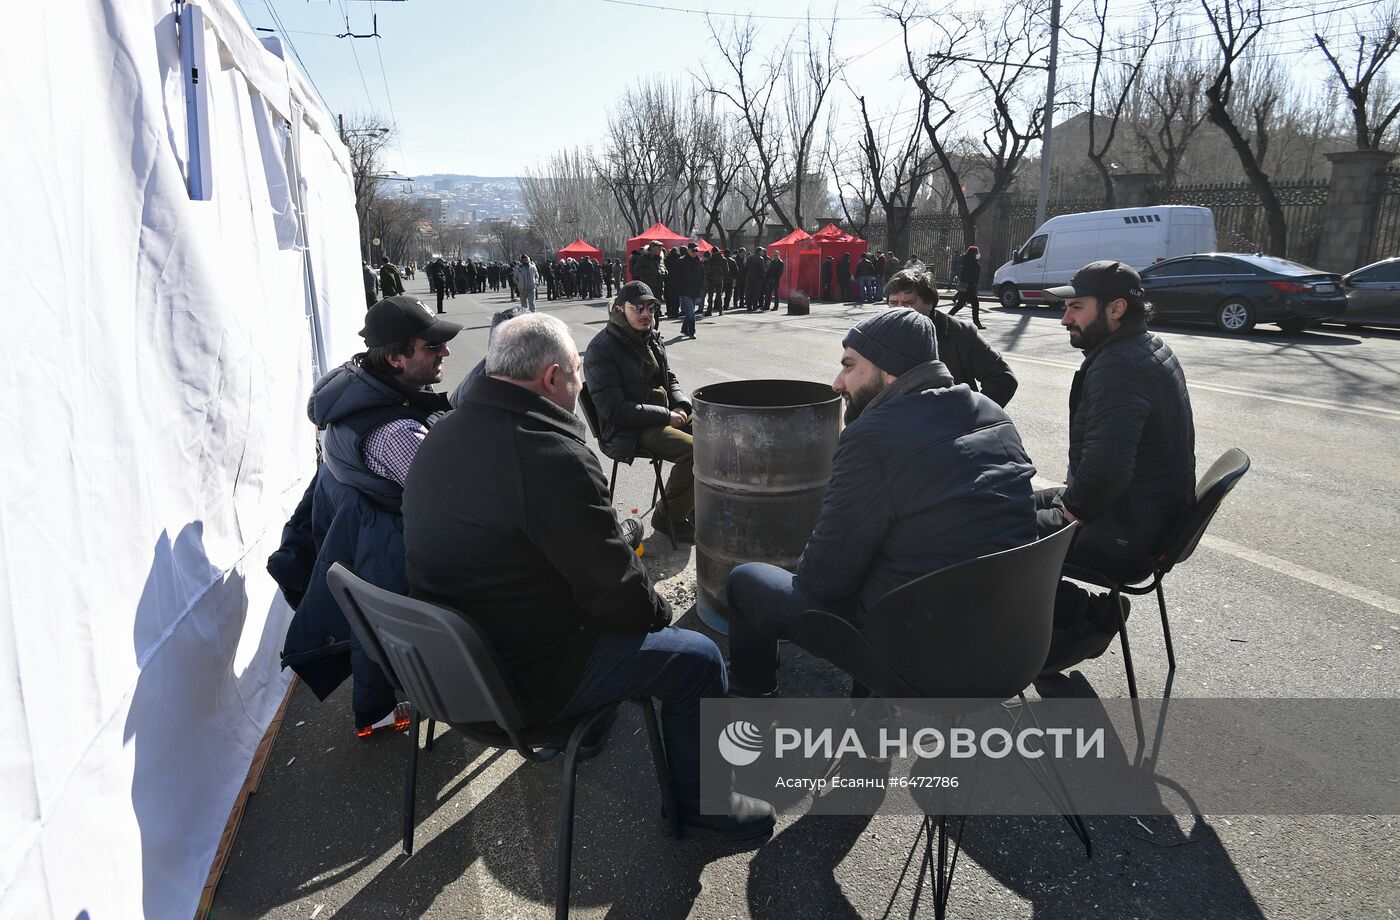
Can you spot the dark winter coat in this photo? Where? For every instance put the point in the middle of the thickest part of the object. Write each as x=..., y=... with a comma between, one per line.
x=688, y=276
x=970, y=272
x=348, y=515
x=507, y=520
x=620, y=371
x=716, y=271
x=1132, y=444
x=972, y=360
x=390, y=281
x=651, y=271
x=930, y=474
x=755, y=270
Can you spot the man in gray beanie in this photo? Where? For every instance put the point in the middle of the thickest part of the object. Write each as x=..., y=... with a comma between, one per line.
x=927, y=474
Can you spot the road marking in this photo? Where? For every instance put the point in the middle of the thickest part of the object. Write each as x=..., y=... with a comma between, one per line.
x=1383, y=602
x=1372, y=411
x=725, y=374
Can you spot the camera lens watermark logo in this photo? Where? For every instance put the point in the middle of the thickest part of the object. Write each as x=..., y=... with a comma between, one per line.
x=740, y=743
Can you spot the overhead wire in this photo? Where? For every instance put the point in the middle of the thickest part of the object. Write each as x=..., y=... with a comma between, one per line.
x=277, y=21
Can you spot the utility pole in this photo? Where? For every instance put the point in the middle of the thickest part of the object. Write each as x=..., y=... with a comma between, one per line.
x=1043, y=198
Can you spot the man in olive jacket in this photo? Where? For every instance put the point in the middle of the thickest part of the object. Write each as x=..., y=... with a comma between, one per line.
x=1132, y=453
x=640, y=403
x=970, y=358
x=507, y=520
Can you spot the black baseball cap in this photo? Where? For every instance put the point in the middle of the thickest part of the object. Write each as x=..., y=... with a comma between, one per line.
x=401, y=317
x=1107, y=279
x=636, y=292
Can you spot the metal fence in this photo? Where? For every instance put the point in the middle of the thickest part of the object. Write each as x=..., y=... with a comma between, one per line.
x=1386, y=240
x=1240, y=225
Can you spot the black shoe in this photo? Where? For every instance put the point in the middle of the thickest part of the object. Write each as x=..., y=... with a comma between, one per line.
x=682, y=532
x=748, y=818
x=1068, y=647
x=980, y=326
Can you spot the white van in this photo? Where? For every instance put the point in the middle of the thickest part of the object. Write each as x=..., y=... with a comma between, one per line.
x=1065, y=244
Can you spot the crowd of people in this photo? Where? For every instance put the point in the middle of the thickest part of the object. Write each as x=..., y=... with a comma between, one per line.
x=930, y=470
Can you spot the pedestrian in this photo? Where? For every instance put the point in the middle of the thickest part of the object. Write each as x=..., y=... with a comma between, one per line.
x=527, y=278
x=969, y=276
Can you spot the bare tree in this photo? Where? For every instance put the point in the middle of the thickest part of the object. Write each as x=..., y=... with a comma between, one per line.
x=1374, y=105
x=365, y=136
x=1236, y=24
x=1112, y=81
x=400, y=227
x=567, y=200
x=780, y=106
x=1172, y=109
x=855, y=191
x=897, y=176
x=1002, y=57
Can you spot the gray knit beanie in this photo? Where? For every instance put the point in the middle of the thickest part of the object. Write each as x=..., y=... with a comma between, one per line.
x=894, y=340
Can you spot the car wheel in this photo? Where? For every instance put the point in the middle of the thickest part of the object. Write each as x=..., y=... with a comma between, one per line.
x=1010, y=297
x=1295, y=326
x=1234, y=316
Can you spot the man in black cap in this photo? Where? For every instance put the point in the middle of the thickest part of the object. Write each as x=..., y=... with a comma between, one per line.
x=651, y=267
x=1132, y=453
x=885, y=520
x=373, y=412
x=641, y=404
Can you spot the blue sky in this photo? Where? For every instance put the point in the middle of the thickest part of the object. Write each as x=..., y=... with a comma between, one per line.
x=487, y=88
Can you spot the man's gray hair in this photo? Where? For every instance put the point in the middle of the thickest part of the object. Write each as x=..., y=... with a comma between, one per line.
x=522, y=347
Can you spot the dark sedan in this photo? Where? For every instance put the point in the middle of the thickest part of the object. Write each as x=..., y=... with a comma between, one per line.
x=1234, y=291
x=1373, y=295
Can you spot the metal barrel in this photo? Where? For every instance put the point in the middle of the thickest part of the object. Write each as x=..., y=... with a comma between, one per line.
x=763, y=451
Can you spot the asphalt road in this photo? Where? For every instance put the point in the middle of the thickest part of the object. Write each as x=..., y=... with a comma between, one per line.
x=1294, y=593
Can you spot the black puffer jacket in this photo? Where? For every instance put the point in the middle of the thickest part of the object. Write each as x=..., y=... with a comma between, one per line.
x=688, y=276
x=972, y=360
x=885, y=520
x=1132, y=444
x=616, y=372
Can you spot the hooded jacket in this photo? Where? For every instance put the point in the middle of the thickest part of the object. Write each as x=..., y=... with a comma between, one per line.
x=930, y=474
x=349, y=515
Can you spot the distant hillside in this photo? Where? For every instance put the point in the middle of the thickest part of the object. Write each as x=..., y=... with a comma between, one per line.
x=468, y=198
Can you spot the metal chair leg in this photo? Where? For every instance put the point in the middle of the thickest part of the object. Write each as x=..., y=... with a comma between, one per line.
x=410, y=785
x=428, y=741
x=1123, y=642
x=612, y=483
x=564, y=833
x=1166, y=628
x=669, y=809
x=665, y=505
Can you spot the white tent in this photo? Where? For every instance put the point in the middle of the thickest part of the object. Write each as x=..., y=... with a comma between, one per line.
x=161, y=350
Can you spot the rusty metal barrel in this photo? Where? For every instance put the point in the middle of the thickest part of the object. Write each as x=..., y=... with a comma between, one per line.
x=763, y=452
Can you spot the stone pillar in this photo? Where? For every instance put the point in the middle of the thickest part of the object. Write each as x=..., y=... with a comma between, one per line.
x=1353, y=208
x=1134, y=189
x=897, y=231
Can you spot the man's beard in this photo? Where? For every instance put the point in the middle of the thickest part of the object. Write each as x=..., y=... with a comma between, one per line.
x=862, y=397
x=1092, y=334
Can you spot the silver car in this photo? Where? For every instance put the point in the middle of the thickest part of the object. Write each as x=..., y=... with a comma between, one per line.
x=1373, y=295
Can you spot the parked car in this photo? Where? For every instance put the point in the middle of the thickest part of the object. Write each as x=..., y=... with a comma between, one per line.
x=1373, y=295
x=1234, y=291
x=1134, y=236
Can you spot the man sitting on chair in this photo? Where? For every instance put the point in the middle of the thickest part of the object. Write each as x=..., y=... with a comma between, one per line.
x=507, y=520
x=640, y=403
x=927, y=474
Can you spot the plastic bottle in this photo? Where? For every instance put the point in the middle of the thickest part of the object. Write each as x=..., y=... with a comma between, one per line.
x=632, y=532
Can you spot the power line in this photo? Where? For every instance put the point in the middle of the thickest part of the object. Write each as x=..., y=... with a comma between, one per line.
x=277, y=20
x=384, y=75
x=732, y=15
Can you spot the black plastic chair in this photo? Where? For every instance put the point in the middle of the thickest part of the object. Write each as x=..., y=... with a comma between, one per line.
x=973, y=632
x=590, y=415
x=1222, y=477
x=449, y=670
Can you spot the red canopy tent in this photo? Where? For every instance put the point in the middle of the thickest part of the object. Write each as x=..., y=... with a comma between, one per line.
x=801, y=264
x=578, y=249
x=663, y=235
x=835, y=242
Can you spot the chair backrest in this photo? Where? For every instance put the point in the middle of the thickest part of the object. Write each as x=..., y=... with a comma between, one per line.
x=440, y=659
x=1217, y=483
x=980, y=628
x=590, y=412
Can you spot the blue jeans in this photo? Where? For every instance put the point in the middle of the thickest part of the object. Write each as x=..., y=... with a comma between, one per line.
x=677, y=666
x=765, y=603
x=687, y=315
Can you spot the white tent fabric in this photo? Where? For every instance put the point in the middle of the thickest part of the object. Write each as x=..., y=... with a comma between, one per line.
x=154, y=405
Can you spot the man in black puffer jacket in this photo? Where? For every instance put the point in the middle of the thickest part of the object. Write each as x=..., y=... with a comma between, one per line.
x=885, y=519
x=1132, y=452
x=640, y=403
